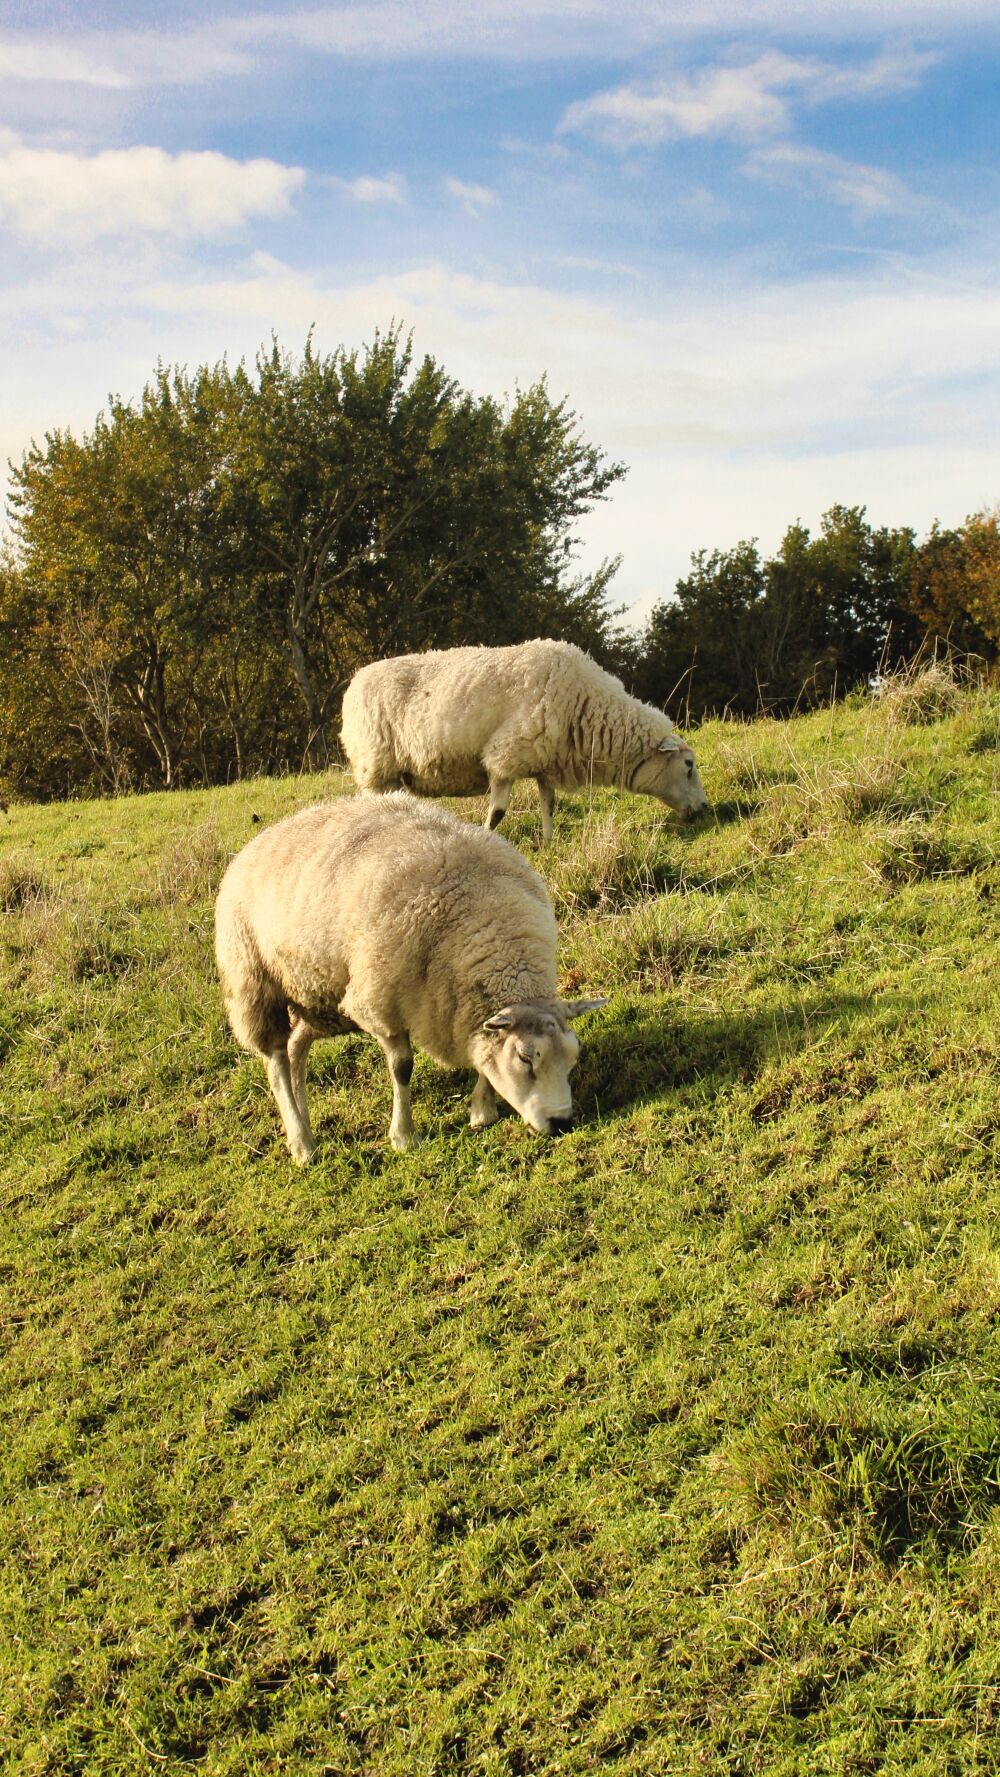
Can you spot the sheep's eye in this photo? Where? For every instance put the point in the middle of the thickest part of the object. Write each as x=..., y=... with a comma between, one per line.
x=525, y=1060
x=690, y=766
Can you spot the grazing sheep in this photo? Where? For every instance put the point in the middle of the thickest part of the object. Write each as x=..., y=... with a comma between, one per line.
x=381, y=914
x=463, y=720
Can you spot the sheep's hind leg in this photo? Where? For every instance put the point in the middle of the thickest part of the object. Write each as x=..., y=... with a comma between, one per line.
x=399, y=1057
x=300, y=1137
x=547, y=798
x=484, y=1109
x=500, y=788
x=299, y=1044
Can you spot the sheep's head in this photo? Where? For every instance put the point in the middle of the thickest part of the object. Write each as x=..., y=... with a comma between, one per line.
x=527, y=1053
x=670, y=773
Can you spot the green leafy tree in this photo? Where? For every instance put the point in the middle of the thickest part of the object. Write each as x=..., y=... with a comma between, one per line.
x=954, y=588
x=385, y=510
x=200, y=574
x=699, y=651
x=41, y=753
x=118, y=532
x=819, y=617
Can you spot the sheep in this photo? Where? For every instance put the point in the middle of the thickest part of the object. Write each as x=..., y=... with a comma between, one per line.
x=385, y=915
x=459, y=721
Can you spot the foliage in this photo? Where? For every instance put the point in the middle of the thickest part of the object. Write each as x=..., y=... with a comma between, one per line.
x=669, y=1446
x=197, y=578
x=955, y=584
x=200, y=575
x=822, y=616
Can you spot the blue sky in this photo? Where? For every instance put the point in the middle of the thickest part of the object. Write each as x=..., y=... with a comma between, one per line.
x=756, y=245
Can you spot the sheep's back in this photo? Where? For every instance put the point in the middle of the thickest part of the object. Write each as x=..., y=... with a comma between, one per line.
x=385, y=907
x=431, y=716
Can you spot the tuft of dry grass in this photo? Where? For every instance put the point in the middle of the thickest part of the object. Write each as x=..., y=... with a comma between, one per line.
x=602, y=874
x=916, y=852
x=193, y=867
x=918, y=695
x=22, y=885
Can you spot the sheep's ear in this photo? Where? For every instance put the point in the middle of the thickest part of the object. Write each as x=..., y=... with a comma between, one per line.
x=576, y=1008
x=500, y=1020
x=672, y=744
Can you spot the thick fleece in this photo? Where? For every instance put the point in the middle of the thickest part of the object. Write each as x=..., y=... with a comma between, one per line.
x=463, y=720
x=390, y=916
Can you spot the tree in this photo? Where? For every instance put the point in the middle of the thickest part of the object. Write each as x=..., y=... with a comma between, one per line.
x=40, y=753
x=820, y=616
x=117, y=529
x=388, y=511
x=700, y=647
x=201, y=573
x=954, y=587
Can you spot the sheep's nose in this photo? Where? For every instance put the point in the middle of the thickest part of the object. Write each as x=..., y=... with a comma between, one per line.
x=560, y=1125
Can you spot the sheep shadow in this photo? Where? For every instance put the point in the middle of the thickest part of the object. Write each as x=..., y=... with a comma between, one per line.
x=726, y=812
x=647, y=1050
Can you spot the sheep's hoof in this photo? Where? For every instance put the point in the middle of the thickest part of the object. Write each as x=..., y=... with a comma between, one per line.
x=483, y=1119
x=301, y=1152
x=403, y=1140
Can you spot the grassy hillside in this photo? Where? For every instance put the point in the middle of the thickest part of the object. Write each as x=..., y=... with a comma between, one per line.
x=671, y=1446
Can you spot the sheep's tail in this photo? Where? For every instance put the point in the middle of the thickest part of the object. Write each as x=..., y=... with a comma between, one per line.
x=368, y=733
x=255, y=1004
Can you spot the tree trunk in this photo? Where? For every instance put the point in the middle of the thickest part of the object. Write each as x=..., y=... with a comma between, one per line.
x=317, y=752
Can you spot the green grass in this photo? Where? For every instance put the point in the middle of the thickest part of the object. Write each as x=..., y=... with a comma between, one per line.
x=672, y=1446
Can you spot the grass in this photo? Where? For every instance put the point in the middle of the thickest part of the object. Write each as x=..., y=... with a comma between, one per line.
x=673, y=1446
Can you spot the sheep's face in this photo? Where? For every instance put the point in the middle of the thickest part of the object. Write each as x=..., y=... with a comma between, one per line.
x=671, y=775
x=527, y=1053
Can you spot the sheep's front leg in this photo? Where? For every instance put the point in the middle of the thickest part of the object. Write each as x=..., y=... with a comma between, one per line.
x=300, y=1136
x=484, y=1109
x=500, y=788
x=299, y=1044
x=547, y=798
x=399, y=1057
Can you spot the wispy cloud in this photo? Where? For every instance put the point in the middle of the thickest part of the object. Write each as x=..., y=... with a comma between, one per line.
x=388, y=188
x=865, y=190
x=472, y=198
x=395, y=31
x=121, y=60
x=736, y=100
x=48, y=195
x=780, y=364
x=728, y=101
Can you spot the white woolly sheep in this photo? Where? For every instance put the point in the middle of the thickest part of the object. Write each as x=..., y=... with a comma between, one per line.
x=459, y=721
x=385, y=915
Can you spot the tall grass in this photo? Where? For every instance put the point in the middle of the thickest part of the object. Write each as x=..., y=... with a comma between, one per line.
x=668, y=1447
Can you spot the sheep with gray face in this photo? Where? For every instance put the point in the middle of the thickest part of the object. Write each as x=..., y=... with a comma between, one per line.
x=382, y=914
x=459, y=721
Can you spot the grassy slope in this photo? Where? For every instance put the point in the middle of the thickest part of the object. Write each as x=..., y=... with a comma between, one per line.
x=671, y=1446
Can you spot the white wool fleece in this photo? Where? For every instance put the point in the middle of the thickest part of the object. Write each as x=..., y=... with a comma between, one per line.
x=454, y=721
x=387, y=913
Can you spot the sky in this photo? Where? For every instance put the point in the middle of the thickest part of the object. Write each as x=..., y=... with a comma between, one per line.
x=754, y=245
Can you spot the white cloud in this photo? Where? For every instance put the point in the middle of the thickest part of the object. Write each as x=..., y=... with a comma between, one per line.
x=389, y=189
x=400, y=30
x=49, y=195
x=605, y=268
x=119, y=60
x=474, y=199
x=896, y=70
x=747, y=100
x=863, y=189
x=522, y=29
x=738, y=101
